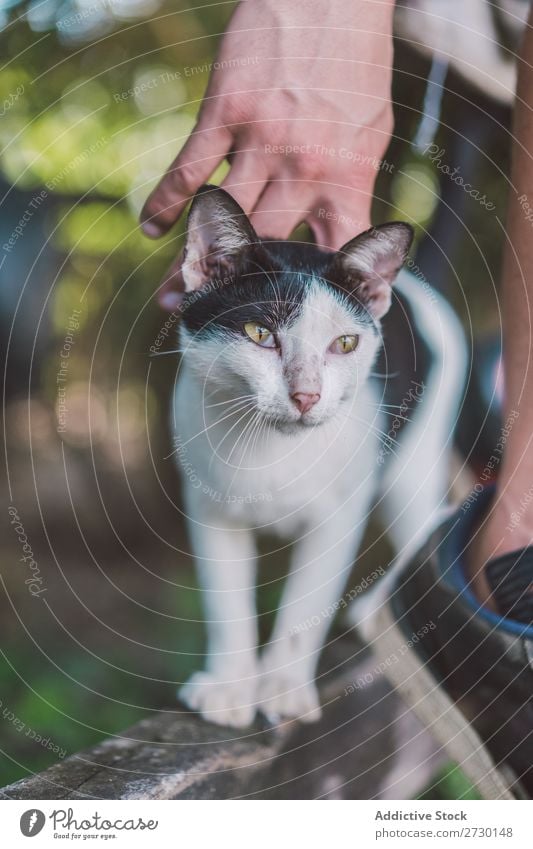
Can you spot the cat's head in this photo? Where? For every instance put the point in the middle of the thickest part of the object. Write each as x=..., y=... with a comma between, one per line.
x=293, y=328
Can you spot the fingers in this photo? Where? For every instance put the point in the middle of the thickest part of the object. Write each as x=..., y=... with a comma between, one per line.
x=340, y=216
x=276, y=214
x=246, y=181
x=279, y=209
x=203, y=151
x=334, y=218
x=243, y=184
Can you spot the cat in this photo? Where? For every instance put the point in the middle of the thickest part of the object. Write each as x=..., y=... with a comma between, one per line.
x=280, y=426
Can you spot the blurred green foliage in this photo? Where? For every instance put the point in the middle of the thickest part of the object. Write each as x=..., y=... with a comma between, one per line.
x=450, y=783
x=93, y=114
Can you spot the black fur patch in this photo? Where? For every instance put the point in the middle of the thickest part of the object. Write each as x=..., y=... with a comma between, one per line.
x=270, y=285
x=403, y=365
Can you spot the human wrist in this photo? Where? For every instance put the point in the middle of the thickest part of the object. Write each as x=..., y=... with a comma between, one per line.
x=345, y=13
x=326, y=34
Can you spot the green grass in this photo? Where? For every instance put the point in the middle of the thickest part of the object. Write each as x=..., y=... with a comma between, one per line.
x=450, y=783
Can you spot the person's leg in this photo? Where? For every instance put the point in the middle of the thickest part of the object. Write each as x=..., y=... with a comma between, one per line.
x=467, y=670
x=510, y=524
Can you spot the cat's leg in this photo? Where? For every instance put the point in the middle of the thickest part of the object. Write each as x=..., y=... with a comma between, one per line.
x=321, y=564
x=225, y=692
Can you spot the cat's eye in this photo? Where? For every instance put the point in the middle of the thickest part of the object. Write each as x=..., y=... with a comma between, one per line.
x=344, y=345
x=260, y=335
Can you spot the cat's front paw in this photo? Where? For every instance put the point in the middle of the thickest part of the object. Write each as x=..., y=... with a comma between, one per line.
x=218, y=700
x=282, y=696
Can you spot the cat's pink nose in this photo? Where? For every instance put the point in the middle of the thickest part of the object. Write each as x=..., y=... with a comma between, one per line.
x=305, y=400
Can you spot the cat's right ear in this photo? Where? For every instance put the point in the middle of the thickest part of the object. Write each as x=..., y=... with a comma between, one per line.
x=367, y=265
x=218, y=234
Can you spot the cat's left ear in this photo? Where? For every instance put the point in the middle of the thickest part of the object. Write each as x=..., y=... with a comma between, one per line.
x=368, y=264
x=218, y=234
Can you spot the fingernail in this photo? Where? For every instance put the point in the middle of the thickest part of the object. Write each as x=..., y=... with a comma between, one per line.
x=151, y=229
x=170, y=300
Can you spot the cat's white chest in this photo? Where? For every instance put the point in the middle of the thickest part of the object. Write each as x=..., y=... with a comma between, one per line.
x=275, y=483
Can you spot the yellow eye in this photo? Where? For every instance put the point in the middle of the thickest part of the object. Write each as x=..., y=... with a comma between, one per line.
x=260, y=335
x=344, y=345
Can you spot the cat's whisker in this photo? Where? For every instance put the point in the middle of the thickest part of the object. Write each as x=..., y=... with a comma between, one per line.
x=246, y=412
x=260, y=431
x=235, y=405
x=217, y=391
x=380, y=406
x=396, y=416
x=249, y=428
x=383, y=376
x=214, y=453
x=386, y=441
x=205, y=429
x=269, y=426
x=241, y=437
x=247, y=407
x=229, y=401
x=385, y=438
x=166, y=353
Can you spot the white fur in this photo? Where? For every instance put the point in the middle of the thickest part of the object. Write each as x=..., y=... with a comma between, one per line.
x=311, y=480
x=416, y=478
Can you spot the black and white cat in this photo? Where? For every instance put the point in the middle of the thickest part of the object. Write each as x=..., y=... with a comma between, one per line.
x=279, y=428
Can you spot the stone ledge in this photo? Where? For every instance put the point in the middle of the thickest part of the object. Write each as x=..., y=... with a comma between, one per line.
x=367, y=745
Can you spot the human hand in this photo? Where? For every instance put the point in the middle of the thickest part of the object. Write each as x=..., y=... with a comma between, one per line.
x=300, y=104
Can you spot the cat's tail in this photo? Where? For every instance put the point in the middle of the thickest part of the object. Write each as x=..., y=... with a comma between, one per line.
x=416, y=479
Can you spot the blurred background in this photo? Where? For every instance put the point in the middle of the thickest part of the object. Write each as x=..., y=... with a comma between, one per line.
x=100, y=616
